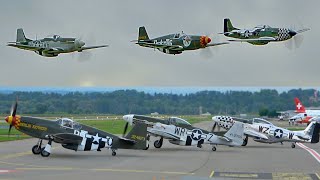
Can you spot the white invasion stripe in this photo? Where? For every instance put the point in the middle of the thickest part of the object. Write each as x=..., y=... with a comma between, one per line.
x=311, y=151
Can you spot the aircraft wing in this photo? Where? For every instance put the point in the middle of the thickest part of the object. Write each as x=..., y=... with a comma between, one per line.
x=217, y=44
x=163, y=134
x=255, y=134
x=93, y=47
x=26, y=47
x=265, y=39
x=67, y=138
x=164, y=46
x=130, y=141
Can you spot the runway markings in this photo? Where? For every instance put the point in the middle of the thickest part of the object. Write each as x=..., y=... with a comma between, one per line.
x=15, y=155
x=273, y=176
x=143, y=171
x=108, y=170
x=4, y=171
x=211, y=174
x=48, y=168
x=311, y=151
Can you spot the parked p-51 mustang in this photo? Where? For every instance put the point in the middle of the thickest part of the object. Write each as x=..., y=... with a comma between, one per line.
x=175, y=43
x=179, y=132
x=261, y=35
x=265, y=132
x=50, y=46
x=74, y=136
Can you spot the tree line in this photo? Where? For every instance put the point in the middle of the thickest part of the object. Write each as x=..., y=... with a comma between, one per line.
x=132, y=101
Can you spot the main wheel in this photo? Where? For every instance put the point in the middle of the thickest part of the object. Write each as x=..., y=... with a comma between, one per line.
x=44, y=153
x=293, y=145
x=146, y=147
x=214, y=148
x=245, y=141
x=36, y=149
x=157, y=144
x=114, y=153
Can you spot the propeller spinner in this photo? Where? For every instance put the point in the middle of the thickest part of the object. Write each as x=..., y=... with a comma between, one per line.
x=13, y=120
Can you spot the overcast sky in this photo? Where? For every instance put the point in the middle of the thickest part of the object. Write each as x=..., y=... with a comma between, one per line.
x=116, y=22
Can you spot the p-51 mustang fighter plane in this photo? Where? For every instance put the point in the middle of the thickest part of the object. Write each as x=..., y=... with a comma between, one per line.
x=74, y=136
x=260, y=35
x=50, y=46
x=175, y=43
x=265, y=132
x=179, y=132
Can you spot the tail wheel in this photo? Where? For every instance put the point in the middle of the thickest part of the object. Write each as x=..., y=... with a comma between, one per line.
x=214, y=148
x=293, y=145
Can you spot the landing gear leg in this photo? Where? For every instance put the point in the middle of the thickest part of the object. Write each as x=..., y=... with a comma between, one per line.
x=158, y=143
x=293, y=145
x=36, y=149
x=114, y=153
x=245, y=141
x=46, y=151
x=147, y=145
x=281, y=143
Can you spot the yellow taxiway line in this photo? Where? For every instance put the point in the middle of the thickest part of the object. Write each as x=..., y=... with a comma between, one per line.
x=211, y=174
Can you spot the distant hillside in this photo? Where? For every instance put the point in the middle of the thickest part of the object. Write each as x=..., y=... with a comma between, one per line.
x=133, y=101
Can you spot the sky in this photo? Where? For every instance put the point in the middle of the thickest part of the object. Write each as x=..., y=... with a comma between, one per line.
x=125, y=64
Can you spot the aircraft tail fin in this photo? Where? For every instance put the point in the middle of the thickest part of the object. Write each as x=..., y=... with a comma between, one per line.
x=228, y=26
x=136, y=138
x=235, y=133
x=299, y=106
x=143, y=35
x=313, y=129
x=20, y=36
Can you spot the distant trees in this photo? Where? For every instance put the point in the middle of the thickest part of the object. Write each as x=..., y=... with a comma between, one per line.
x=265, y=102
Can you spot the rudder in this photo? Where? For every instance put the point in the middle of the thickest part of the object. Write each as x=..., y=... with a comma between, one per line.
x=138, y=134
x=143, y=35
x=20, y=36
x=235, y=133
x=228, y=26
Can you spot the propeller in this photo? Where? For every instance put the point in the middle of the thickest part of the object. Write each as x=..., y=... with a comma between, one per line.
x=209, y=52
x=84, y=55
x=13, y=112
x=125, y=129
x=297, y=38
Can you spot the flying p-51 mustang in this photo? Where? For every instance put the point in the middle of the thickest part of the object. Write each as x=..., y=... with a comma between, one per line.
x=179, y=132
x=50, y=46
x=74, y=136
x=265, y=132
x=175, y=43
x=261, y=35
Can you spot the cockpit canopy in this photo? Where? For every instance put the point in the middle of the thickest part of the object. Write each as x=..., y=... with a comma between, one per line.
x=52, y=37
x=68, y=123
x=179, y=35
x=261, y=121
x=262, y=27
x=178, y=121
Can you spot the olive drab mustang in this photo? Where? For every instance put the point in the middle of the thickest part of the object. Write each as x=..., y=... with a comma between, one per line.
x=50, y=46
x=265, y=132
x=180, y=132
x=174, y=43
x=73, y=135
x=260, y=35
